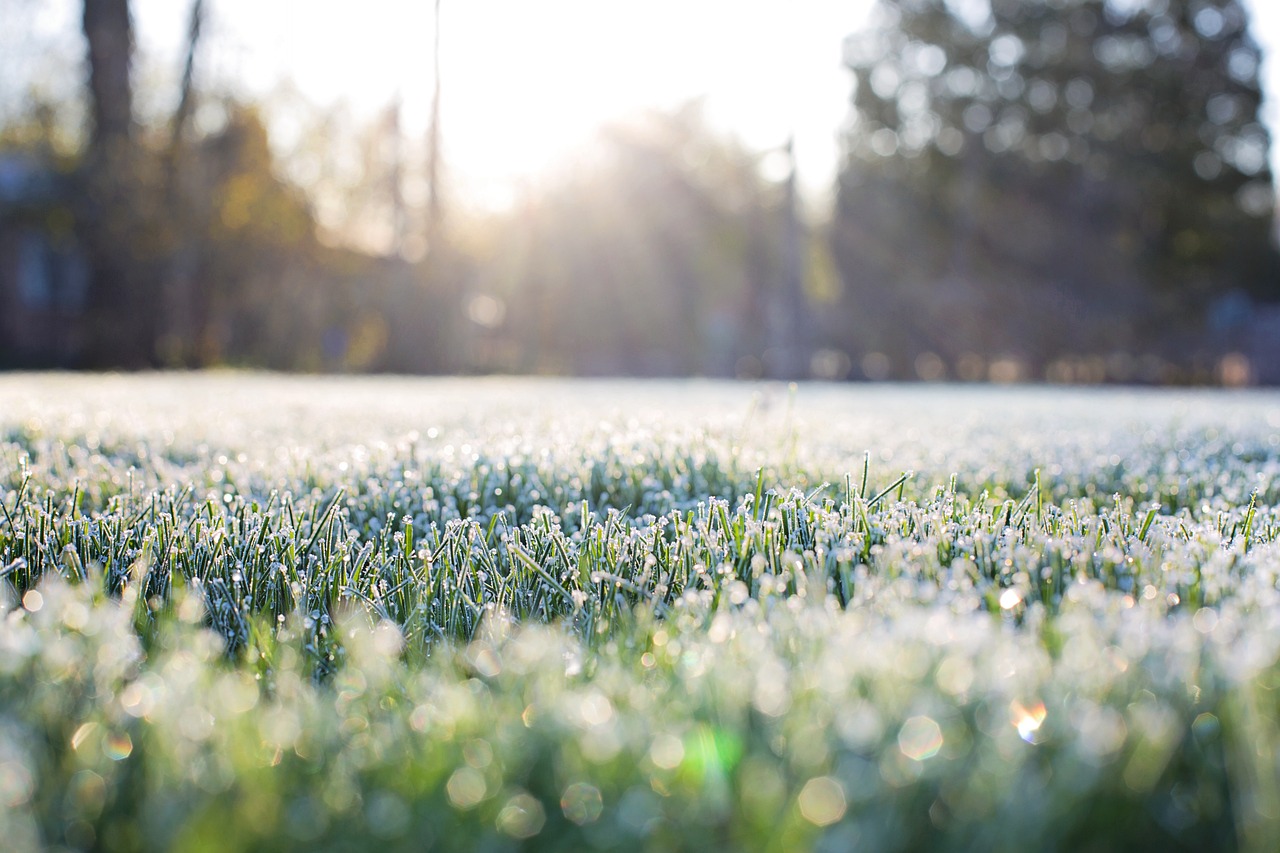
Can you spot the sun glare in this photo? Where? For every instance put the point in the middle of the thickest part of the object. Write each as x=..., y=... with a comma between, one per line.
x=525, y=86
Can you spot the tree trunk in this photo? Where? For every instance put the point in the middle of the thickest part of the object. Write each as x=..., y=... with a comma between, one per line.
x=176, y=343
x=108, y=32
x=435, y=214
x=120, y=323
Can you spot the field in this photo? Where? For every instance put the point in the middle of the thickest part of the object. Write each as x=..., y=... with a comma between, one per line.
x=247, y=612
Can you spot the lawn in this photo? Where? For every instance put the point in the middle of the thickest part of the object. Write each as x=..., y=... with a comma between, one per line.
x=247, y=612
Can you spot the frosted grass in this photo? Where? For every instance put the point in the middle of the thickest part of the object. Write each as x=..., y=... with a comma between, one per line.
x=264, y=612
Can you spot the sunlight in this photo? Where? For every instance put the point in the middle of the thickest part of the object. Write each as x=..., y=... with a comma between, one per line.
x=525, y=83
x=1027, y=720
x=525, y=86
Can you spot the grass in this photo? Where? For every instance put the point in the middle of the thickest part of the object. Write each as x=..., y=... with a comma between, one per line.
x=248, y=612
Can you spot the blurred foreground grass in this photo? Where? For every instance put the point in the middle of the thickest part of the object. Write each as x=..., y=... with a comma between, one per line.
x=247, y=612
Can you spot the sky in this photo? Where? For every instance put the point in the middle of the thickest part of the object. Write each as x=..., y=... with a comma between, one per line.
x=526, y=82
x=542, y=74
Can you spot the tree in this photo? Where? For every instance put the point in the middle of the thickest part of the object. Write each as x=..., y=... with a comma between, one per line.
x=175, y=345
x=108, y=33
x=113, y=218
x=654, y=254
x=1052, y=178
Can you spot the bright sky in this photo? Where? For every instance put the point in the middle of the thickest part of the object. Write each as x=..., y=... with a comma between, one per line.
x=523, y=80
x=527, y=80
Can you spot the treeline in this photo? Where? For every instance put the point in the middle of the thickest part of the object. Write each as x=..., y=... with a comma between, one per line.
x=1073, y=190
x=658, y=253
x=1068, y=188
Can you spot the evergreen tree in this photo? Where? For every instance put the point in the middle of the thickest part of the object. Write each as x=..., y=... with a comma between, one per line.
x=1052, y=178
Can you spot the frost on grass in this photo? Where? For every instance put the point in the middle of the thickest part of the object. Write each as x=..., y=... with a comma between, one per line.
x=254, y=612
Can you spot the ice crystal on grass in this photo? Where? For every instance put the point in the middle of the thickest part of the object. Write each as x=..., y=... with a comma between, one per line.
x=261, y=612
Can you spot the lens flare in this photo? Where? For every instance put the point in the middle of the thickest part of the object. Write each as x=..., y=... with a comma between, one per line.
x=1027, y=720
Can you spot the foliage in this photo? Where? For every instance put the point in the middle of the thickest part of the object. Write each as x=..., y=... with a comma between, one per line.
x=1094, y=173
x=659, y=252
x=655, y=253
x=1069, y=189
x=276, y=614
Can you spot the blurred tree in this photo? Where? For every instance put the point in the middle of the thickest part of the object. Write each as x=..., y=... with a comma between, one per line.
x=1051, y=178
x=653, y=255
x=435, y=209
x=176, y=343
x=113, y=216
x=201, y=250
x=108, y=32
x=268, y=291
x=254, y=232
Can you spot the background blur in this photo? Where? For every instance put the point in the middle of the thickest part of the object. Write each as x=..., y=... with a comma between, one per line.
x=1005, y=190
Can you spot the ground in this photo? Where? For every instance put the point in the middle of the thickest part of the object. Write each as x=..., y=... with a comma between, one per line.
x=248, y=611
